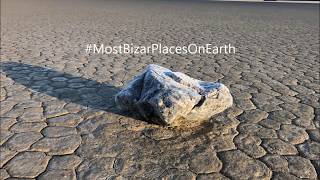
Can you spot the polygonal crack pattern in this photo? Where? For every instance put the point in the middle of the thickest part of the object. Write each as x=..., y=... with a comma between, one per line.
x=57, y=103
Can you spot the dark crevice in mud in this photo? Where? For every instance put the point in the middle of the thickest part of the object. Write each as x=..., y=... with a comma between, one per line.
x=223, y=165
x=268, y=166
x=316, y=166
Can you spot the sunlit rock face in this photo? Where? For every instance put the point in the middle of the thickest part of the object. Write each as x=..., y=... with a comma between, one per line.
x=162, y=96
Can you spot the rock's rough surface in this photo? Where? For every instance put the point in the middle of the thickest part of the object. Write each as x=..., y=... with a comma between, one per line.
x=173, y=98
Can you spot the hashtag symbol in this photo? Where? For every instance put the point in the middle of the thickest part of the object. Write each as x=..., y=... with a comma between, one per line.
x=89, y=48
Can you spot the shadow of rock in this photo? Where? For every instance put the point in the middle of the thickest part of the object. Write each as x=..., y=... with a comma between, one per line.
x=66, y=87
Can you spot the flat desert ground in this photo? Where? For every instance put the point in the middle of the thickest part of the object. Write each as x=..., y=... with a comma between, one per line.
x=59, y=119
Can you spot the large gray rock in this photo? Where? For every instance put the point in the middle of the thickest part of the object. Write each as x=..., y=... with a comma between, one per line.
x=173, y=98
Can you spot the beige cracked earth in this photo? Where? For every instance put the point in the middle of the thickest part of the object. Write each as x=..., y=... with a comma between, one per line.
x=59, y=120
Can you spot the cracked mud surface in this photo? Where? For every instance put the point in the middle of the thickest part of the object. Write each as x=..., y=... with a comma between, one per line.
x=59, y=120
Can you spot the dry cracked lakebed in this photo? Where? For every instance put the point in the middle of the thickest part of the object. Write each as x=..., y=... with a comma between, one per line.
x=58, y=115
